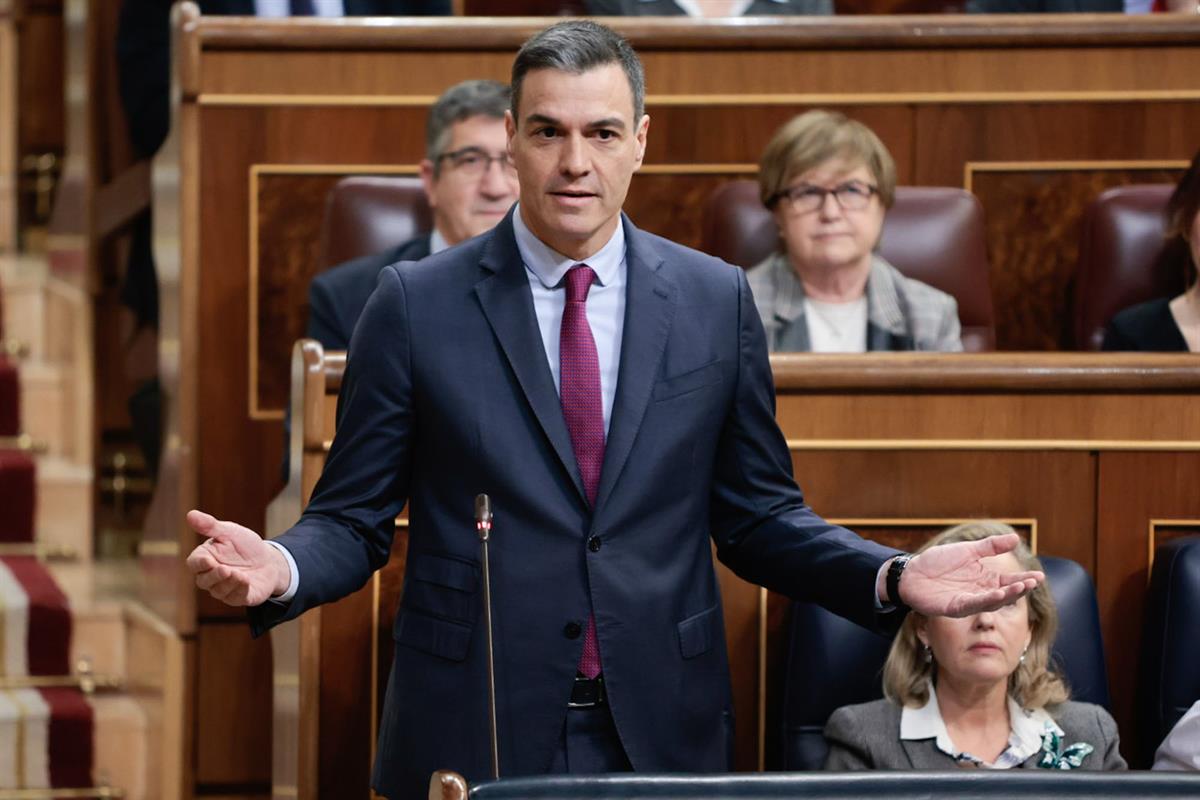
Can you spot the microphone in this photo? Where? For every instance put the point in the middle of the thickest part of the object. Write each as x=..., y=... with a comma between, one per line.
x=483, y=526
x=483, y=515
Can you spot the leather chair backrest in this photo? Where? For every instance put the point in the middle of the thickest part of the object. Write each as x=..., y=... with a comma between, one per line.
x=832, y=662
x=1121, y=258
x=1169, y=681
x=366, y=214
x=933, y=234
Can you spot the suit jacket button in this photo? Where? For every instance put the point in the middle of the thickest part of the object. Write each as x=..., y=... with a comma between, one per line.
x=572, y=630
x=594, y=544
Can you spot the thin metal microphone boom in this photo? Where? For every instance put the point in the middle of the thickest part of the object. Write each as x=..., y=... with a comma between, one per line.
x=483, y=526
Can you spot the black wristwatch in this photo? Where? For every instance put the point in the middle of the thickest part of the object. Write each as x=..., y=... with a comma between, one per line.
x=895, y=570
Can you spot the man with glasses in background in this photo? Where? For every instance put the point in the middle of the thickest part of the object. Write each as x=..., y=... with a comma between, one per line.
x=470, y=184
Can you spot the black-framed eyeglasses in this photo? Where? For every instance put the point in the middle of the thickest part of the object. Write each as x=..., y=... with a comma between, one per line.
x=474, y=162
x=850, y=196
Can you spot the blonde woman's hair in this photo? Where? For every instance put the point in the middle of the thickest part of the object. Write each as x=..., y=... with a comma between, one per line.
x=1034, y=684
x=814, y=137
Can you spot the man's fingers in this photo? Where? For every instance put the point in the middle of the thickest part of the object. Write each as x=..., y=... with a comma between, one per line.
x=201, y=523
x=201, y=560
x=1030, y=579
x=210, y=578
x=997, y=545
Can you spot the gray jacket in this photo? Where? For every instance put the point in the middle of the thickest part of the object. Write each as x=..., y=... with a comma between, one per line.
x=867, y=736
x=902, y=313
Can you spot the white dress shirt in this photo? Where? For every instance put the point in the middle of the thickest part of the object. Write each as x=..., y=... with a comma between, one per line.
x=546, y=270
x=283, y=8
x=1027, y=727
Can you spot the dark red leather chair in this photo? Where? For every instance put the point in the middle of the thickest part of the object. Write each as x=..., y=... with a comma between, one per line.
x=932, y=234
x=1123, y=258
x=367, y=214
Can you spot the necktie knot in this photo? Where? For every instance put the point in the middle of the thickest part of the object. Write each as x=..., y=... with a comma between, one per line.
x=579, y=281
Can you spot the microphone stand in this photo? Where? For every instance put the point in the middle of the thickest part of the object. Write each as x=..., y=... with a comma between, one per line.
x=483, y=525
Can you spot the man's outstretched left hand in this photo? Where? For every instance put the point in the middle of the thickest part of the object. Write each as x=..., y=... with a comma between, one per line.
x=952, y=580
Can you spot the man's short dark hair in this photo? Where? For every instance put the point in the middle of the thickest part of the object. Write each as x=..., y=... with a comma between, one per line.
x=462, y=101
x=577, y=46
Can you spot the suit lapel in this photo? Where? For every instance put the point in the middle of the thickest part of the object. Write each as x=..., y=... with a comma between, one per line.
x=508, y=305
x=923, y=754
x=649, y=311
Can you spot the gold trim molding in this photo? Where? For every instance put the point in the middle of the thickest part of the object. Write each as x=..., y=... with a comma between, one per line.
x=279, y=100
x=972, y=167
x=1152, y=537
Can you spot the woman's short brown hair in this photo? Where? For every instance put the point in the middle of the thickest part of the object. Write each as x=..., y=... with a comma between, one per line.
x=814, y=137
x=1034, y=684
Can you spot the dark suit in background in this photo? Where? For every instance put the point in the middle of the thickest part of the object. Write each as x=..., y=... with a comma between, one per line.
x=336, y=297
x=448, y=393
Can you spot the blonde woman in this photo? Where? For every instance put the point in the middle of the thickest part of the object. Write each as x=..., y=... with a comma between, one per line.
x=978, y=691
x=828, y=181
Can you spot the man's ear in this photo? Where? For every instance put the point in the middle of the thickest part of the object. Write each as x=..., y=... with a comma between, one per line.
x=643, y=129
x=510, y=128
x=428, y=180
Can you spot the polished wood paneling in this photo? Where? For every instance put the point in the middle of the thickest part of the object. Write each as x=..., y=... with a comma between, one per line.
x=233, y=732
x=1033, y=231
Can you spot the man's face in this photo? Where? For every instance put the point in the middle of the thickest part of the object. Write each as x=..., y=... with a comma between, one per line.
x=470, y=193
x=575, y=144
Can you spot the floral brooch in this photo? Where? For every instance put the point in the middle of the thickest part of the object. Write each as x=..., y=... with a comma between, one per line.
x=1055, y=756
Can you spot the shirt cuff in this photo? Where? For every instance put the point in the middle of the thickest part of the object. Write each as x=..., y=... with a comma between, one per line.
x=294, y=581
x=880, y=606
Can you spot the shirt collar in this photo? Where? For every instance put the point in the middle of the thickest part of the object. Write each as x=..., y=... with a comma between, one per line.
x=437, y=242
x=1025, y=738
x=550, y=266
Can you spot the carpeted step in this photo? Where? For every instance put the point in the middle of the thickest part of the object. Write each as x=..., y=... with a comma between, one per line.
x=18, y=496
x=35, y=620
x=46, y=739
x=10, y=399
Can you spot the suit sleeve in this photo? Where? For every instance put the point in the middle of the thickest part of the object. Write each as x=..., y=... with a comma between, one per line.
x=846, y=743
x=324, y=325
x=346, y=532
x=761, y=525
x=1111, y=741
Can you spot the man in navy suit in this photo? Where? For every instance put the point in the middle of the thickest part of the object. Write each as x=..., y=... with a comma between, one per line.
x=470, y=185
x=611, y=391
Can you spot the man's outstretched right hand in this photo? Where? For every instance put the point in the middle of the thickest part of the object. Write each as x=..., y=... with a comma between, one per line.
x=234, y=564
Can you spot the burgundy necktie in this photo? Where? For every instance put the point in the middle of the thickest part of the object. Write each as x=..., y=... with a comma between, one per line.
x=583, y=409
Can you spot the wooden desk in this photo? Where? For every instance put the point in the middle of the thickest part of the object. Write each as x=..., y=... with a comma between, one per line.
x=1035, y=115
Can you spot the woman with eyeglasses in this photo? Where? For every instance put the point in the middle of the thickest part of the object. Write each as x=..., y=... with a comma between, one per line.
x=828, y=180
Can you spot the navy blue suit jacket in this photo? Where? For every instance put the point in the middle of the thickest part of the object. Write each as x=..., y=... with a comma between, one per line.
x=337, y=296
x=448, y=393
